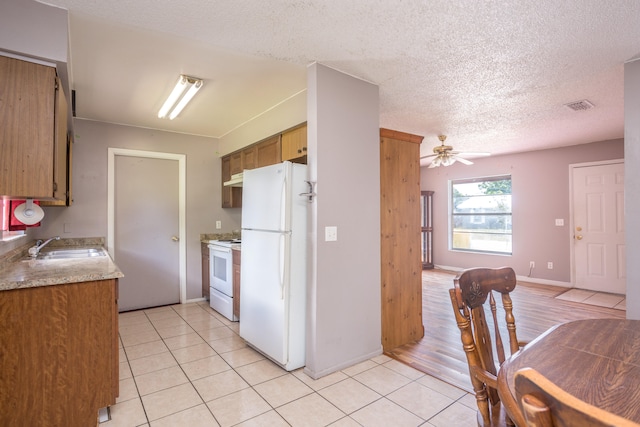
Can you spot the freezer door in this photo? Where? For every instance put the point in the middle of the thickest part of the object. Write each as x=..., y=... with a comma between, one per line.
x=264, y=198
x=264, y=292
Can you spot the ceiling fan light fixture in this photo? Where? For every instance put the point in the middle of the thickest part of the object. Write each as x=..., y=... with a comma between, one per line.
x=448, y=160
x=182, y=93
x=444, y=155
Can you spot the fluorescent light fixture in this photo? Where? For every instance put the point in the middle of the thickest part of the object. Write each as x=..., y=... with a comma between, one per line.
x=178, y=99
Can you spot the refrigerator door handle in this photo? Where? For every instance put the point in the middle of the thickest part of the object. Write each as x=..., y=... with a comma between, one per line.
x=283, y=204
x=281, y=262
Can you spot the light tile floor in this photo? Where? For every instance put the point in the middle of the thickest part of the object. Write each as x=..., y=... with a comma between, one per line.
x=601, y=299
x=185, y=365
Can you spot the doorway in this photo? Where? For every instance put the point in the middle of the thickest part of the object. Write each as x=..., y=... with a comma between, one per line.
x=146, y=226
x=598, y=249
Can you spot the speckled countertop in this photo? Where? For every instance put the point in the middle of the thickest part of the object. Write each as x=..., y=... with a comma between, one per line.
x=18, y=272
x=206, y=237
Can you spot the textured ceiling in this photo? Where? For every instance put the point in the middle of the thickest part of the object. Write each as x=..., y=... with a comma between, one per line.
x=492, y=75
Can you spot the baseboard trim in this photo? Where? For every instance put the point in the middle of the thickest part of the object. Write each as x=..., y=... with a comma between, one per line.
x=518, y=278
x=318, y=374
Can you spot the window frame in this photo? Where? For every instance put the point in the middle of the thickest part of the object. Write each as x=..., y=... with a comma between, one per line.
x=452, y=184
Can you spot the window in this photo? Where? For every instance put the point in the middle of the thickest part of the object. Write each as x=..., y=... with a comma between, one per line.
x=481, y=215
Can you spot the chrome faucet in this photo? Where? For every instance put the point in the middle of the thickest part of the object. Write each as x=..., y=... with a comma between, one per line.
x=35, y=250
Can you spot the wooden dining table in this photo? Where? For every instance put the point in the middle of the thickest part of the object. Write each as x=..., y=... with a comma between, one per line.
x=595, y=360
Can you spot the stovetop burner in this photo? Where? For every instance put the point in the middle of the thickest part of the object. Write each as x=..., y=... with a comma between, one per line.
x=229, y=243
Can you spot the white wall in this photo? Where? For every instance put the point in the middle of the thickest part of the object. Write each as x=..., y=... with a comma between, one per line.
x=285, y=115
x=541, y=194
x=344, y=320
x=87, y=217
x=632, y=184
x=34, y=29
x=38, y=31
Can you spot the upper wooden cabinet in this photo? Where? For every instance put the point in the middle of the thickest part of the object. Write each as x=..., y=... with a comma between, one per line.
x=231, y=196
x=268, y=151
x=249, y=157
x=263, y=153
x=33, y=131
x=236, y=163
x=294, y=144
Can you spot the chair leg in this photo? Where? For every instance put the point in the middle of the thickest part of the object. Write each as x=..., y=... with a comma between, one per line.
x=483, y=404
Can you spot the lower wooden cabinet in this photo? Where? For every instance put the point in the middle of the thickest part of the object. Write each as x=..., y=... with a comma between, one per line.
x=58, y=353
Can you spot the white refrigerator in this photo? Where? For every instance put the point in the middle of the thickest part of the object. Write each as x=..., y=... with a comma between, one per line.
x=273, y=275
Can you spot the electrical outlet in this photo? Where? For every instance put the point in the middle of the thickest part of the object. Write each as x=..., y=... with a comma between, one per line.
x=550, y=265
x=330, y=234
x=532, y=264
x=559, y=222
x=218, y=225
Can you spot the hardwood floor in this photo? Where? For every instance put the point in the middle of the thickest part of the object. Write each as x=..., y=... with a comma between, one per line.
x=440, y=352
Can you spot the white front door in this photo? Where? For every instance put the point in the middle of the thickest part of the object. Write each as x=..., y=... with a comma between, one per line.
x=598, y=227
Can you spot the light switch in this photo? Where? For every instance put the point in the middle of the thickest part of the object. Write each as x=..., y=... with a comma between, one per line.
x=559, y=222
x=330, y=234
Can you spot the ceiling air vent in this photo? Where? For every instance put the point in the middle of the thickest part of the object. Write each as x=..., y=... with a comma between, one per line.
x=579, y=105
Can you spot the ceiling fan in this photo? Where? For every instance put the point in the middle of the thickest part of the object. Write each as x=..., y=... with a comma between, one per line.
x=445, y=156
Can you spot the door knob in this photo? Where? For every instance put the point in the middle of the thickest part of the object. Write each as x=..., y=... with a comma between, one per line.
x=175, y=238
x=578, y=237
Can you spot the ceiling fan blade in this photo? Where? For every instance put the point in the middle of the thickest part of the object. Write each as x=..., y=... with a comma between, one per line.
x=463, y=161
x=430, y=155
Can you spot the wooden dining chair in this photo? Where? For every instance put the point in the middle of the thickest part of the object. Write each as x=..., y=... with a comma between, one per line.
x=483, y=343
x=544, y=404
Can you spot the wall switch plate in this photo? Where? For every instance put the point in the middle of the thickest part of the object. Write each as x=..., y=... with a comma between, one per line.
x=218, y=225
x=550, y=265
x=532, y=264
x=330, y=234
x=559, y=222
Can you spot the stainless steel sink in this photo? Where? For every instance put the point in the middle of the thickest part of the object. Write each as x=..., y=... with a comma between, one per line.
x=71, y=253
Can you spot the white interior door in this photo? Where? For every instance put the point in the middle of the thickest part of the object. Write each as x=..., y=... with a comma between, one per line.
x=598, y=227
x=146, y=230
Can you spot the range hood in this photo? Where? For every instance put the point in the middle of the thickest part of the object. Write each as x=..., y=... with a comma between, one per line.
x=235, y=181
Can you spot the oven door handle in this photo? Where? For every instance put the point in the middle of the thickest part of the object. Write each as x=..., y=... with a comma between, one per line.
x=220, y=249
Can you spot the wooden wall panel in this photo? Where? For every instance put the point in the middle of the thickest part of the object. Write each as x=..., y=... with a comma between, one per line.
x=400, y=238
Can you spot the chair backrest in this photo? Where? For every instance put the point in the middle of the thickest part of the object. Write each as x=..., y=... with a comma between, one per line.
x=544, y=404
x=472, y=289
